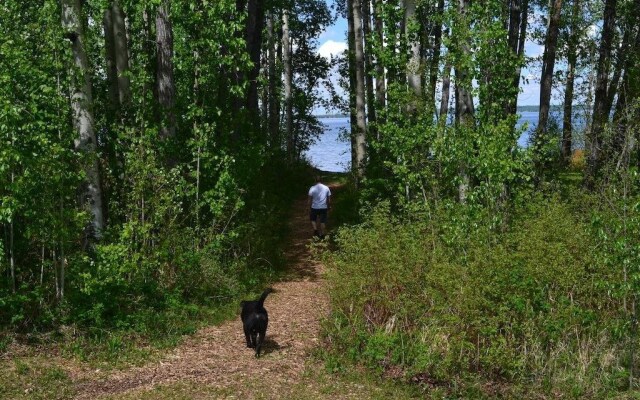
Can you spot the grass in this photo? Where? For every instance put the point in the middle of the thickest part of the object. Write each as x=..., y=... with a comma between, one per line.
x=316, y=383
x=34, y=378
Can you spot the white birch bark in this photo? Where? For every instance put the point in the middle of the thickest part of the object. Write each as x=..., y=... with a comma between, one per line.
x=81, y=105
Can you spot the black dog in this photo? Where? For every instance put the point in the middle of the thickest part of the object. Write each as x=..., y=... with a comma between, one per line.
x=254, y=321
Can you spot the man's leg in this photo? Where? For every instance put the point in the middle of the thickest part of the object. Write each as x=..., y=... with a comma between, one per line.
x=313, y=216
x=323, y=223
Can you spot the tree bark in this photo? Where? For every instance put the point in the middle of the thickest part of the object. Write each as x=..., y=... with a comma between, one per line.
x=464, y=99
x=518, y=23
x=121, y=53
x=548, y=64
x=600, y=117
x=288, y=77
x=366, y=24
x=360, y=136
x=255, y=26
x=414, y=74
x=110, y=58
x=83, y=120
x=446, y=89
x=12, y=256
x=353, y=121
x=381, y=85
x=434, y=68
x=165, y=84
x=572, y=59
x=274, y=101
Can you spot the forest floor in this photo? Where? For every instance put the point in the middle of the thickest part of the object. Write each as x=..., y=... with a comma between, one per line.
x=215, y=363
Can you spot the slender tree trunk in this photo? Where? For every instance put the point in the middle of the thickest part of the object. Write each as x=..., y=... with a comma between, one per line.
x=414, y=70
x=518, y=23
x=288, y=77
x=434, y=68
x=81, y=105
x=567, y=120
x=353, y=121
x=548, y=64
x=381, y=85
x=391, y=45
x=630, y=86
x=600, y=117
x=110, y=58
x=446, y=89
x=464, y=99
x=628, y=94
x=274, y=98
x=42, y=264
x=361, y=132
x=572, y=59
x=12, y=256
x=620, y=58
x=121, y=53
x=165, y=84
x=366, y=24
x=255, y=26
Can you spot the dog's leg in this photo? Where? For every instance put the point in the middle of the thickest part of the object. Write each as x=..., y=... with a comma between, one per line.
x=254, y=339
x=248, y=338
x=260, y=339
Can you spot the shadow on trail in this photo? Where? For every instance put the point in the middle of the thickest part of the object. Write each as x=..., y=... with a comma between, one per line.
x=271, y=346
x=302, y=265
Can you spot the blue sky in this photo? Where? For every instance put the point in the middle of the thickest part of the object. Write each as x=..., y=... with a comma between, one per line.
x=333, y=41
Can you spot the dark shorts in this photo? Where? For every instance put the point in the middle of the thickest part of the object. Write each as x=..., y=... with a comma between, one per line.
x=315, y=213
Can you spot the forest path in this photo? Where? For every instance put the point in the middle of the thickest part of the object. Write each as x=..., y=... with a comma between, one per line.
x=215, y=362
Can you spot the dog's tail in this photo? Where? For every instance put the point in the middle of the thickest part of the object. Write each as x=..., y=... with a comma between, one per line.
x=264, y=296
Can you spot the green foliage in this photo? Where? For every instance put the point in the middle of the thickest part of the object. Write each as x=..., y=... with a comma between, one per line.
x=440, y=293
x=193, y=222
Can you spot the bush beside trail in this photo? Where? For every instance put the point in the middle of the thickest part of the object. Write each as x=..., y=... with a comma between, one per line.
x=441, y=298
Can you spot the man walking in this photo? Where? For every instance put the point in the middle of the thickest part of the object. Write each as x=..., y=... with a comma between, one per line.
x=319, y=204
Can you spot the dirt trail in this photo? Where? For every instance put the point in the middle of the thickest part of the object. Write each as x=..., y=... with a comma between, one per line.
x=217, y=356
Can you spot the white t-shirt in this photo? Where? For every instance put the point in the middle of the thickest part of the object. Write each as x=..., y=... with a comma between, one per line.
x=319, y=194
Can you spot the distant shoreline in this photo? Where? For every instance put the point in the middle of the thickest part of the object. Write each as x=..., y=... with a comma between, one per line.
x=555, y=108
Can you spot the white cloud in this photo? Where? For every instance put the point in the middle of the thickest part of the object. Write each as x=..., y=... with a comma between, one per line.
x=332, y=48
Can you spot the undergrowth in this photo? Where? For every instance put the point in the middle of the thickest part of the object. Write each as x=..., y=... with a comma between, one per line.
x=443, y=298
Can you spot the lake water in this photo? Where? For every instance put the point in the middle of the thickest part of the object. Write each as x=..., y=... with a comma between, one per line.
x=332, y=150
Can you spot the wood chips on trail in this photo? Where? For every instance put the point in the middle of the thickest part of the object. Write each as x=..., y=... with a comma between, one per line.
x=216, y=357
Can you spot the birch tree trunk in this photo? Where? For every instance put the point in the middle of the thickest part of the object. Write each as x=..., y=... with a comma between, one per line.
x=381, y=85
x=434, y=68
x=360, y=136
x=165, y=84
x=351, y=37
x=446, y=89
x=600, y=117
x=465, y=109
x=572, y=59
x=366, y=25
x=414, y=78
x=83, y=121
x=287, y=83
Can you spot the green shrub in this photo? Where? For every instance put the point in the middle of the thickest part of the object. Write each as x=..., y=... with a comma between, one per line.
x=442, y=293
